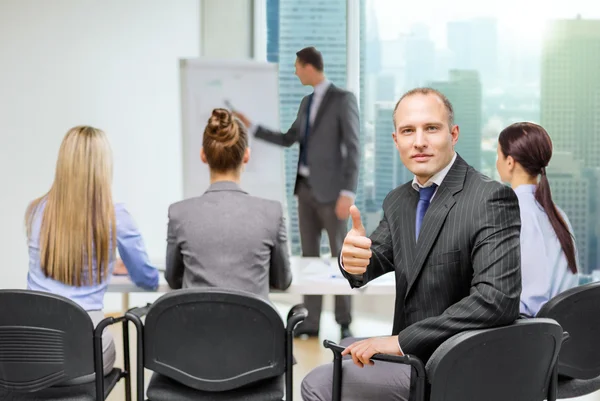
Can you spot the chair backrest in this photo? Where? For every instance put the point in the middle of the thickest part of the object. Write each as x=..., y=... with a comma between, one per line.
x=214, y=339
x=506, y=363
x=45, y=339
x=577, y=310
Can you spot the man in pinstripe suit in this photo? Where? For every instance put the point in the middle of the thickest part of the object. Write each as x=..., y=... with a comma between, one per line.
x=451, y=237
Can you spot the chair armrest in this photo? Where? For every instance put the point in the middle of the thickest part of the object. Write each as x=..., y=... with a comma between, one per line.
x=566, y=337
x=411, y=360
x=405, y=359
x=138, y=312
x=296, y=315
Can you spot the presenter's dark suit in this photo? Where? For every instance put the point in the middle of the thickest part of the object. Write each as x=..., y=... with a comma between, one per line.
x=462, y=273
x=327, y=129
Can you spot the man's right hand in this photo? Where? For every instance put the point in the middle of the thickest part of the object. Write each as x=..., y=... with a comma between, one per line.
x=242, y=118
x=356, y=251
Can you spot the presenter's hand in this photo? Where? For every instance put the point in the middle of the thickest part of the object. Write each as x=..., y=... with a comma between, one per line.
x=242, y=118
x=342, y=207
x=356, y=251
x=362, y=351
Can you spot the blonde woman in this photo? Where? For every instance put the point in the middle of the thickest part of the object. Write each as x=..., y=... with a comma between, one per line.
x=70, y=231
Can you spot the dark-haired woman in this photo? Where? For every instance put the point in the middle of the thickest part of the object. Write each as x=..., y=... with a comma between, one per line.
x=548, y=251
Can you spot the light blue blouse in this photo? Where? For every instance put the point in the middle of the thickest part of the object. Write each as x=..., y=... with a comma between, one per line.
x=543, y=263
x=91, y=297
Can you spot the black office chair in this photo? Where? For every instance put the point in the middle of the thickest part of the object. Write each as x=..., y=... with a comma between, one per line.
x=46, y=341
x=578, y=312
x=215, y=344
x=506, y=363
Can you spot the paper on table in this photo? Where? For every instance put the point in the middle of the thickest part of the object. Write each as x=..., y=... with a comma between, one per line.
x=321, y=271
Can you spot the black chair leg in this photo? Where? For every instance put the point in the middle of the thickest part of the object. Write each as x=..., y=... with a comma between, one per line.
x=337, y=377
x=127, y=363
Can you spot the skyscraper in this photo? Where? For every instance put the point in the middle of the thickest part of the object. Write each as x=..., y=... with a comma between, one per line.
x=572, y=192
x=318, y=23
x=570, y=112
x=273, y=31
x=419, y=56
x=570, y=89
x=389, y=170
x=463, y=89
x=474, y=46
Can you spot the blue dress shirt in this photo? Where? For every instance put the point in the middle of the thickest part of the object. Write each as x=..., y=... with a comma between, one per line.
x=544, y=268
x=91, y=297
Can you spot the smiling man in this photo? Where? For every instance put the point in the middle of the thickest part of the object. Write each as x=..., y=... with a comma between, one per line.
x=451, y=237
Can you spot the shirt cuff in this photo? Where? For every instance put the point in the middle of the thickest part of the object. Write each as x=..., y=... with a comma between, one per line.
x=399, y=347
x=347, y=193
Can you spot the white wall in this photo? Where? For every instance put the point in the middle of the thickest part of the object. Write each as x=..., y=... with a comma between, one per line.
x=226, y=28
x=108, y=63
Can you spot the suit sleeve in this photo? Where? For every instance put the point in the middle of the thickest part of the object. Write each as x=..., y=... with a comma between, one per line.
x=496, y=282
x=350, y=129
x=280, y=273
x=382, y=259
x=286, y=139
x=174, y=263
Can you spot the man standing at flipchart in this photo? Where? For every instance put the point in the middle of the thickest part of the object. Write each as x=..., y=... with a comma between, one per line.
x=327, y=129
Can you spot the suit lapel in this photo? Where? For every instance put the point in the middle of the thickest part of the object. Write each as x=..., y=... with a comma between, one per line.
x=434, y=219
x=322, y=106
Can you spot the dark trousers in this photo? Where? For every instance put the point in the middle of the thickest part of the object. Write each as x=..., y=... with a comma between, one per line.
x=313, y=218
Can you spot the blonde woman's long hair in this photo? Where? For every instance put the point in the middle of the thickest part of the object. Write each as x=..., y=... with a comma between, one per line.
x=78, y=228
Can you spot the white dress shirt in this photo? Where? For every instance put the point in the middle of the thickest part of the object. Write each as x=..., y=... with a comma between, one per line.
x=544, y=268
x=436, y=179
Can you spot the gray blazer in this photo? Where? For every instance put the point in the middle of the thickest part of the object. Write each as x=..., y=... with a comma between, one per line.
x=228, y=239
x=463, y=272
x=333, y=148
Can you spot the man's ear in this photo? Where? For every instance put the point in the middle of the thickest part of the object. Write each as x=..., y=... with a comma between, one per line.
x=455, y=132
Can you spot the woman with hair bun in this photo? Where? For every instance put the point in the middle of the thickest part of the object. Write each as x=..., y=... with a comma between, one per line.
x=226, y=238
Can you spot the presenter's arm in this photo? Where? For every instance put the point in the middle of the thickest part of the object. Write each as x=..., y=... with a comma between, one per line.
x=350, y=128
x=174, y=263
x=285, y=139
x=280, y=274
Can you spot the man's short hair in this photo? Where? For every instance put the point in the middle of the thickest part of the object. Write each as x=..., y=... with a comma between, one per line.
x=311, y=56
x=428, y=91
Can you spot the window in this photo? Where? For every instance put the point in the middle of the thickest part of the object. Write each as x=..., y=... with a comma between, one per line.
x=541, y=64
x=292, y=26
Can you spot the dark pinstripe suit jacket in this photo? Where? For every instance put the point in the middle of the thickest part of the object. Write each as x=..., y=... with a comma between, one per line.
x=463, y=273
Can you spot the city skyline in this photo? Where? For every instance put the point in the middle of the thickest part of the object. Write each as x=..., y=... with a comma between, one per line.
x=549, y=79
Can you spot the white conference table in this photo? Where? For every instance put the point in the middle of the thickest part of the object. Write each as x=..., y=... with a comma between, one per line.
x=310, y=276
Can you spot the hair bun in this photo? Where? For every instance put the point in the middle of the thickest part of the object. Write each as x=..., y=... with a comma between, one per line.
x=222, y=127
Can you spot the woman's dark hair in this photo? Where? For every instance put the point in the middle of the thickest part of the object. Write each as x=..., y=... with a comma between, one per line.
x=530, y=145
x=225, y=141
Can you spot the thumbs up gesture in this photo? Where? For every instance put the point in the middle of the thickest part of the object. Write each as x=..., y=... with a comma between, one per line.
x=356, y=251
